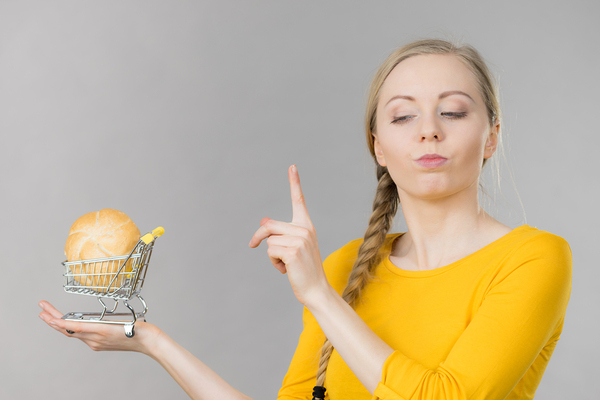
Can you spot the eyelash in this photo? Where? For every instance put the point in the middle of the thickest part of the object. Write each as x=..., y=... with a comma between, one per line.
x=449, y=115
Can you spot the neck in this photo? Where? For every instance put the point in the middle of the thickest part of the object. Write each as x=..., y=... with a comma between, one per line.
x=441, y=231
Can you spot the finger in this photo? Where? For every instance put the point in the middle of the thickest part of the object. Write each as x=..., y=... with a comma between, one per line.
x=286, y=241
x=272, y=227
x=280, y=266
x=80, y=330
x=60, y=325
x=275, y=255
x=255, y=242
x=264, y=221
x=53, y=318
x=299, y=211
x=49, y=308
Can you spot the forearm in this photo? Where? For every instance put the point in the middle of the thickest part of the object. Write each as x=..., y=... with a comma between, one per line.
x=197, y=379
x=360, y=348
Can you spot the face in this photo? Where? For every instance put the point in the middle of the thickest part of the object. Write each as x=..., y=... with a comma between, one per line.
x=433, y=131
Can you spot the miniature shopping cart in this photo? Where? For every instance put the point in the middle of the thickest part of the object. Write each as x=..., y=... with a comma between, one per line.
x=116, y=278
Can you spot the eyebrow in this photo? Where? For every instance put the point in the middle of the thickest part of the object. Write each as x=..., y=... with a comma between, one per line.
x=441, y=96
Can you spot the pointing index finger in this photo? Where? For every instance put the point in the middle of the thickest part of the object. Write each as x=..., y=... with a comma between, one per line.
x=299, y=211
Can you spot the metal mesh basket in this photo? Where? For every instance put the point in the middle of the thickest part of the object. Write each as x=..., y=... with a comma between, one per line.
x=117, y=278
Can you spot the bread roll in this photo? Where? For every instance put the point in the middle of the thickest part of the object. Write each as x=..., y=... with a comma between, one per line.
x=101, y=234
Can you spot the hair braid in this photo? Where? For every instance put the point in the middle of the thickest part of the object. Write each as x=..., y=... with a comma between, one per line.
x=385, y=207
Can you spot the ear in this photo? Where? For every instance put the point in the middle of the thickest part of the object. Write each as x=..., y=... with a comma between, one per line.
x=492, y=141
x=379, y=152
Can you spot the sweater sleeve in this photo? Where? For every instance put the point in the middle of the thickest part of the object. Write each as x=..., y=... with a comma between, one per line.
x=302, y=373
x=301, y=376
x=519, y=320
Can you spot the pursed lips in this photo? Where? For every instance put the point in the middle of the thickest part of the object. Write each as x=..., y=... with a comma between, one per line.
x=431, y=160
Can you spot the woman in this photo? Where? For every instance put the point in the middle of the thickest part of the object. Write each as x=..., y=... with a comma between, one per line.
x=460, y=306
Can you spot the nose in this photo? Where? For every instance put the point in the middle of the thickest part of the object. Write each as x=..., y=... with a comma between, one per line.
x=430, y=129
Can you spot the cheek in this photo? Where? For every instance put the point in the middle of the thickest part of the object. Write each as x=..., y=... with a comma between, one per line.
x=475, y=151
x=470, y=161
x=479, y=147
x=470, y=139
x=391, y=138
x=395, y=152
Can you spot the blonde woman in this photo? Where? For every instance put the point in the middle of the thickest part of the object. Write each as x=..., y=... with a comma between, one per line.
x=458, y=307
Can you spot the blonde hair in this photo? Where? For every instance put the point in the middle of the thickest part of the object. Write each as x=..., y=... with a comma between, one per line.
x=386, y=200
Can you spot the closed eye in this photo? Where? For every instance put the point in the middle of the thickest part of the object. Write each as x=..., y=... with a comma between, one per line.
x=401, y=120
x=450, y=115
x=454, y=115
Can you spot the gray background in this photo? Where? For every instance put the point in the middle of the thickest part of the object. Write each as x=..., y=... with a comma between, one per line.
x=187, y=115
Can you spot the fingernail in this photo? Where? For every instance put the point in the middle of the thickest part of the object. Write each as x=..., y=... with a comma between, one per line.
x=294, y=168
x=52, y=323
x=41, y=305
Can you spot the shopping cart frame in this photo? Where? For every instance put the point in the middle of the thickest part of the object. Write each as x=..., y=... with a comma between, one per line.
x=118, y=278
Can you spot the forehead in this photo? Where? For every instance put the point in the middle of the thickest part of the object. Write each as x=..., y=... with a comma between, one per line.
x=429, y=75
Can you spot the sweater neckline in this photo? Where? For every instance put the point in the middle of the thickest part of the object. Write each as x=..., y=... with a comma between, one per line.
x=432, y=272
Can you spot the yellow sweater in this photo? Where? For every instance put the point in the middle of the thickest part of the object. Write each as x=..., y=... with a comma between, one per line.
x=483, y=327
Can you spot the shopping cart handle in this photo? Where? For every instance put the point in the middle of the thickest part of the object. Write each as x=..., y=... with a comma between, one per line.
x=148, y=237
x=158, y=231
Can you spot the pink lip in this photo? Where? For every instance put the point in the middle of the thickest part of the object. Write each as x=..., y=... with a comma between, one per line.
x=431, y=161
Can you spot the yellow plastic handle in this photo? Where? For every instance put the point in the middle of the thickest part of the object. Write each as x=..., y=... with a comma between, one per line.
x=148, y=237
x=158, y=232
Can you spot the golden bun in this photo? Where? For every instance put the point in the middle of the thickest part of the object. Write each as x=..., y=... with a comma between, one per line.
x=101, y=234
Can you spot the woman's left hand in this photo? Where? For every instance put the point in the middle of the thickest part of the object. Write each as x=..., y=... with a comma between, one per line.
x=293, y=247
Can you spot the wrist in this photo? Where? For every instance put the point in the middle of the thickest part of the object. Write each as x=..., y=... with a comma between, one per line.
x=322, y=299
x=149, y=338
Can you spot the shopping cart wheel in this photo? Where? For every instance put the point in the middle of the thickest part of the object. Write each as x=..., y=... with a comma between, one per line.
x=129, y=331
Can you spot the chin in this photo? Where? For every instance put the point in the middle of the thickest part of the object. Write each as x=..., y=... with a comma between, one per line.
x=434, y=189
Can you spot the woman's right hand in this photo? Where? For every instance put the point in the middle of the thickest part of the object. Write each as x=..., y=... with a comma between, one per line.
x=102, y=337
